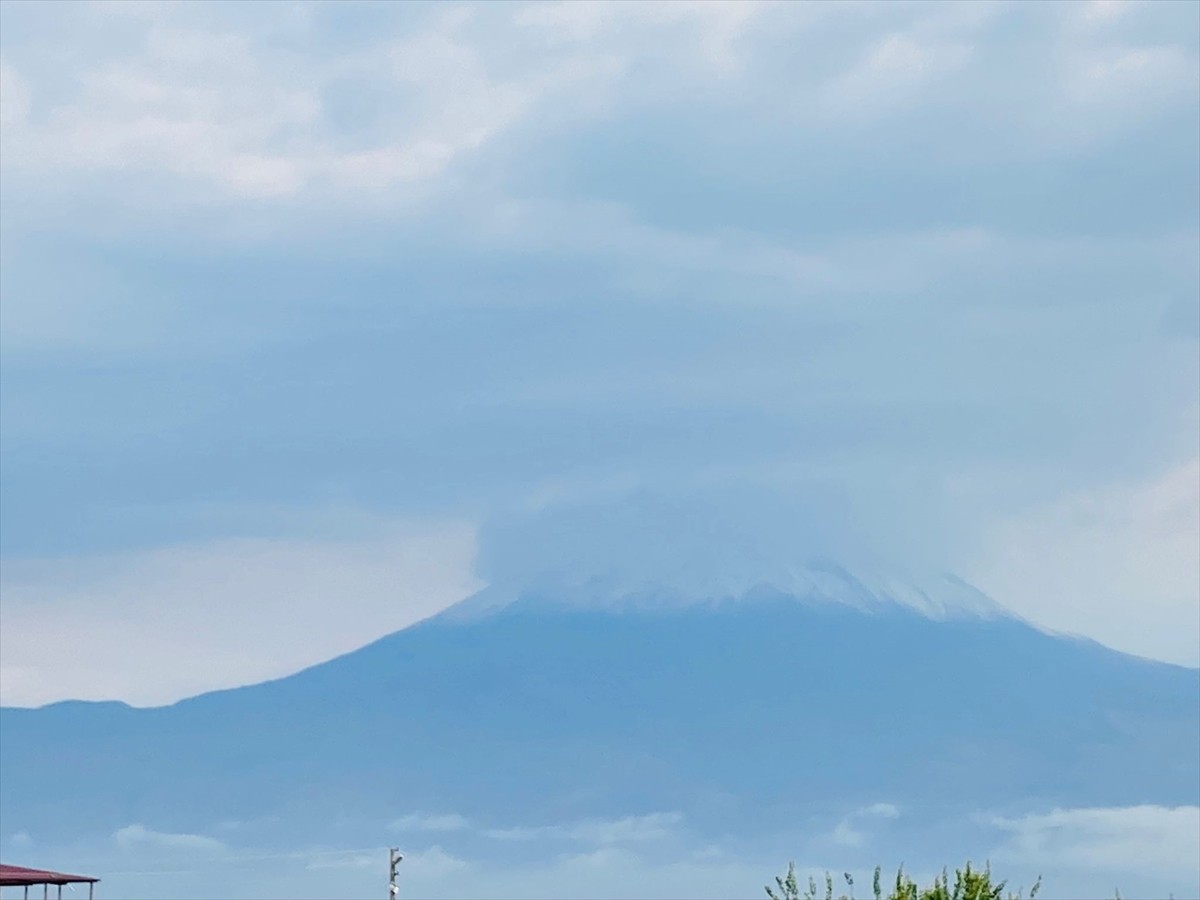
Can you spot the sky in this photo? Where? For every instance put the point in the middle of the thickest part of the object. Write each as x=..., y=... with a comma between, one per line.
x=318, y=318
x=1084, y=851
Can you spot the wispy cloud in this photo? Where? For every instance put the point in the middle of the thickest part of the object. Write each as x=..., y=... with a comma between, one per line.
x=197, y=99
x=211, y=105
x=859, y=270
x=139, y=835
x=1143, y=839
x=1144, y=850
x=891, y=74
x=1125, y=559
x=214, y=100
x=627, y=830
x=419, y=822
x=851, y=831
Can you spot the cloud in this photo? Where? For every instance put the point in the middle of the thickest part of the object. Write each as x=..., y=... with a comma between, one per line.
x=1138, y=838
x=1119, y=563
x=217, y=614
x=1104, y=11
x=411, y=105
x=1145, y=850
x=222, y=108
x=14, y=97
x=891, y=75
x=511, y=255
x=1131, y=79
x=627, y=830
x=194, y=104
x=433, y=863
x=140, y=836
x=1107, y=80
x=609, y=871
x=707, y=33
x=344, y=861
x=418, y=822
x=849, y=832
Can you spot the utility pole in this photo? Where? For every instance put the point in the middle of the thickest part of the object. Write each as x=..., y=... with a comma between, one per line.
x=394, y=857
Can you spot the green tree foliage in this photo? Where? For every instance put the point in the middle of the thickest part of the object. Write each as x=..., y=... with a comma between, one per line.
x=968, y=884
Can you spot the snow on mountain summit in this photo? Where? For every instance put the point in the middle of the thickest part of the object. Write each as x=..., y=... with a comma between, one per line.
x=937, y=596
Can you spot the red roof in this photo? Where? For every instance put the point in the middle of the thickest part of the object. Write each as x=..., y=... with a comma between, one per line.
x=18, y=875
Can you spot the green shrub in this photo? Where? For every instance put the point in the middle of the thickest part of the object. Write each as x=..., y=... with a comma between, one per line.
x=969, y=884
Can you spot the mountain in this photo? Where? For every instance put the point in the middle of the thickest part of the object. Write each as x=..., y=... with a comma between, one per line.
x=527, y=707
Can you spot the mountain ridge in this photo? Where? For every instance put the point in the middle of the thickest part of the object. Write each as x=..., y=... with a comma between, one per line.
x=734, y=715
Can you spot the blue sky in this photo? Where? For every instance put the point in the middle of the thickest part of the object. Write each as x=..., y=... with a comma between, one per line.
x=378, y=302
x=654, y=855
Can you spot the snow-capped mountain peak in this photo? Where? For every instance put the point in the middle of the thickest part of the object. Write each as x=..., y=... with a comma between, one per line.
x=936, y=596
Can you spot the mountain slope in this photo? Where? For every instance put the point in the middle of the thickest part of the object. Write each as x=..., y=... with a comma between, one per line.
x=738, y=715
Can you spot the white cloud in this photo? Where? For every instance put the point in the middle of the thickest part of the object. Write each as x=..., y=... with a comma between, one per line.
x=708, y=31
x=602, y=872
x=706, y=264
x=892, y=74
x=1099, y=83
x=139, y=835
x=1138, y=838
x=433, y=862
x=430, y=865
x=1131, y=76
x=208, y=101
x=150, y=627
x=1104, y=11
x=226, y=110
x=461, y=107
x=239, y=114
x=631, y=829
x=418, y=822
x=352, y=859
x=1120, y=564
x=192, y=103
x=850, y=831
x=1083, y=852
x=627, y=830
x=14, y=97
